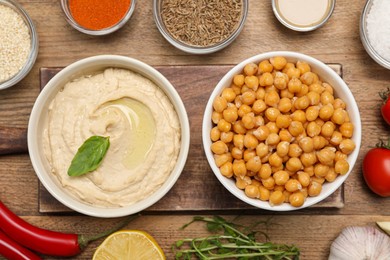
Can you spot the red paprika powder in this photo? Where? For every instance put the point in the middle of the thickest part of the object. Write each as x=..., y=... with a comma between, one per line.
x=98, y=14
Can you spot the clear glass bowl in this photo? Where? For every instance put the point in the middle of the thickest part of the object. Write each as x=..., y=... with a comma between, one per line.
x=196, y=49
x=34, y=45
x=104, y=31
x=366, y=42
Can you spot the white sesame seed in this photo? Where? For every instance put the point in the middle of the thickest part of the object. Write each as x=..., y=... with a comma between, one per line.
x=15, y=43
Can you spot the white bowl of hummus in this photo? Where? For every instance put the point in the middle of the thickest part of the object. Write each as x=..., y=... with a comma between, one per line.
x=131, y=104
x=280, y=166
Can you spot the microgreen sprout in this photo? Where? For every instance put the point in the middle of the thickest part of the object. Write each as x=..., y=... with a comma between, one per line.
x=233, y=243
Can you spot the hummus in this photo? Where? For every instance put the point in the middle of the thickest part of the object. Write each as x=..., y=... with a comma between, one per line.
x=144, y=133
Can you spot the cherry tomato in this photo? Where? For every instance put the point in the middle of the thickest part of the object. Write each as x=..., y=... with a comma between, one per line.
x=376, y=170
x=385, y=108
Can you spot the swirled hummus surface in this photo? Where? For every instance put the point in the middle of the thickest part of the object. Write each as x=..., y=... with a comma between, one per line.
x=144, y=132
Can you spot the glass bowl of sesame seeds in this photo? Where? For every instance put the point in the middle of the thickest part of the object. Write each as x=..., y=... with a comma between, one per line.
x=374, y=35
x=200, y=27
x=19, y=43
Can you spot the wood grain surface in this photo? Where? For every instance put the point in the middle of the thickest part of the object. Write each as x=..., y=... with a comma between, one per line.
x=338, y=41
x=197, y=188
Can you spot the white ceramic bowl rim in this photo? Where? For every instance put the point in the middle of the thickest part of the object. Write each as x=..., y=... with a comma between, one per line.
x=38, y=160
x=226, y=81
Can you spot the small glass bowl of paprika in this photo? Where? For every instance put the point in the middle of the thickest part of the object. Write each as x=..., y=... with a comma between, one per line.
x=97, y=17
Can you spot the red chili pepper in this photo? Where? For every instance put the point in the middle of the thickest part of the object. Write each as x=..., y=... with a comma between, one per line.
x=12, y=250
x=45, y=241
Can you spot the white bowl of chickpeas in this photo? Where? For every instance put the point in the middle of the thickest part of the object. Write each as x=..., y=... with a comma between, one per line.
x=281, y=131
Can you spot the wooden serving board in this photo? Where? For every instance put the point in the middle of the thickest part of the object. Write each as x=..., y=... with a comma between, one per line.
x=197, y=188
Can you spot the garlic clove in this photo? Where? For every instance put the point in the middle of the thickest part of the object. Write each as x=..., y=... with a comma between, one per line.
x=385, y=226
x=360, y=243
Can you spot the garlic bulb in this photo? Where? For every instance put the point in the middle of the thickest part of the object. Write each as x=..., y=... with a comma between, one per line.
x=360, y=243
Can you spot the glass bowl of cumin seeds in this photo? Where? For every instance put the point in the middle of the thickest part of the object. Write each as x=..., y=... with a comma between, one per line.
x=200, y=27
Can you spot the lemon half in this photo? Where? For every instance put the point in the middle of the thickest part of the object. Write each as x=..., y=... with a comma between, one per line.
x=129, y=244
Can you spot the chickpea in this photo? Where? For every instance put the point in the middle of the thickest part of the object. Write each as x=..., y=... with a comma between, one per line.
x=266, y=79
x=264, y=193
x=238, y=127
x=281, y=177
x=314, y=97
x=249, y=154
x=302, y=102
x=238, y=141
x=294, y=164
x=326, y=112
x=252, y=191
x=346, y=129
x=219, y=104
x=272, y=98
x=215, y=117
x=283, y=121
x=265, y=66
x=293, y=73
x=244, y=109
x=262, y=150
x=285, y=93
x=331, y=175
x=282, y=148
x=309, y=170
x=299, y=115
x=248, y=120
x=306, y=143
x=224, y=126
x=293, y=185
x=319, y=142
x=239, y=80
x=227, y=169
x=327, y=98
x=221, y=159
x=326, y=155
x=294, y=85
x=294, y=150
x=285, y=135
x=317, y=179
x=250, y=69
x=296, y=128
x=284, y=105
x=276, y=198
x=303, y=178
x=338, y=103
x=227, y=137
x=316, y=87
x=272, y=113
x=339, y=116
x=312, y=113
x=307, y=77
x=313, y=129
x=303, y=66
x=248, y=98
x=230, y=115
x=275, y=160
x=215, y=134
x=237, y=153
x=340, y=156
x=288, y=66
x=254, y=164
x=347, y=146
x=260, y=94
x=341, y=167
x=280, y=80
x=241, y=183
x=297, y=199
x=259, y=120
x=265, y=171
x=272, y=139
x=228, y=94
x=327, y=129
x=273, y=128
x=308, y=159
x=268, y=183
x=278, y=62
x=314, y=189
x=239, y=168
x=328, y=87
x=261, y=133
x=219, y=147
x=336, y=138
x=320, y=170
x=259, y=106
x=250, y=141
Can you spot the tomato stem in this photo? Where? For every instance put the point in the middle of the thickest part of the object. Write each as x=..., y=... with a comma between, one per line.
x=384, y=95
x=382, y=144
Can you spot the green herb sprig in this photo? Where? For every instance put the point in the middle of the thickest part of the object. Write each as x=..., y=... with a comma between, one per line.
x=232, y=244
x=89, y=156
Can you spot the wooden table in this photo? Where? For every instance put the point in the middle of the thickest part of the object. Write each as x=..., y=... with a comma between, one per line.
x=312, y=229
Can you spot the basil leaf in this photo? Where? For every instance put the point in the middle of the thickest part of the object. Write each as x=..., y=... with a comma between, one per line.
x=89, y=156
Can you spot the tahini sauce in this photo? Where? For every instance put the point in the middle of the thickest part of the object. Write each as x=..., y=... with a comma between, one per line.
x=303, y=12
